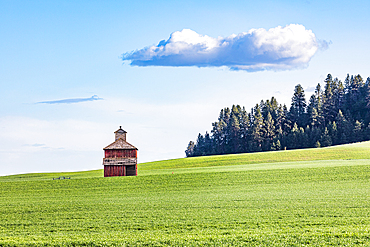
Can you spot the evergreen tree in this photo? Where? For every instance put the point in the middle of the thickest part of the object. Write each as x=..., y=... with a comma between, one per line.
x=199, y=149
x=339, y=93
x=244, y=124
x=303, y=139
x=312, y=111
x=333, y=132
x=218, y=133
x=293, y=137
x=329, y=107
x=354, y=100
x=298, y=106
x=208, y=145
x=276, y=145
x=341, y=128
x=336, y=115
x=357, y=132
x=286, y=123
x=367, y=133
x=315, y=136
x=319, y=107
x=190, y=150
x=234, y=130
x=325, y=140
x=268, y=131
x=257, y=133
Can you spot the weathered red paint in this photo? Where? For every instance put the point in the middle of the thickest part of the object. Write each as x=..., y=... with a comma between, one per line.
x=120, y=153
x=111, y=171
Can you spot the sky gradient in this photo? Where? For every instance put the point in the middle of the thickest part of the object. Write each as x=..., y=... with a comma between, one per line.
x=67, y=82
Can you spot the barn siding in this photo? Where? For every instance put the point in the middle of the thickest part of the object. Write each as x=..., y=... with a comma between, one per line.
x=111, y=171
x=115, y=153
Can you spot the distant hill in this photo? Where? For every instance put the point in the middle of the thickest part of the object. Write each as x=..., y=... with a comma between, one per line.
x=354, y=151
x=341, y=152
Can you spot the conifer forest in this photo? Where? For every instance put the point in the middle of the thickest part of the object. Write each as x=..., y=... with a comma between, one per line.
x=337, y=113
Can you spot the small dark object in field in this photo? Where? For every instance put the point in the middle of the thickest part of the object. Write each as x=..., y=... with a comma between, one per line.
x=61, y=177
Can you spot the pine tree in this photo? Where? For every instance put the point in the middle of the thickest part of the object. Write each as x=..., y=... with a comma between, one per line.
x=303, y=139
x=292, y=138
x=312, y=111
x=199, y=149
x=345, y=128
x=190, y=149
x=245, y=127
x=329, y=107
x=355, y=101
x=298, y=106
x=257, y=134
x=333, y=132
x=234, y=130
x=367, y=89
x=339, y=93
x=357, y=132
x=367, y=133
x=218, y=134
x=286, y=124
x=268, y=130
x=325, y=140
x=341, y=128
x=319, y=105
x=208, y=145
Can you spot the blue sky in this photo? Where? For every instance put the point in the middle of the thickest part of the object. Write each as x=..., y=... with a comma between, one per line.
x=65, y=88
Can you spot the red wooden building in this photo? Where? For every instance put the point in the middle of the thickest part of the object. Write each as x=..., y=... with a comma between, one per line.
x=120, y=157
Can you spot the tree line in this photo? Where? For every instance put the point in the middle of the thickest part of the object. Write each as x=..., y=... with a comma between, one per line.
x=339, y=113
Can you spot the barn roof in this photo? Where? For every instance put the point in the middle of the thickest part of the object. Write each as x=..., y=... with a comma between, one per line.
x=120, y=144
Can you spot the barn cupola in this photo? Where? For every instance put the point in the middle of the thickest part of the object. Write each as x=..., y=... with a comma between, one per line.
x=120, y=133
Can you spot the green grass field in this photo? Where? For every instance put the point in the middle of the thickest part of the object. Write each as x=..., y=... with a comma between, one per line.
x=311, y=197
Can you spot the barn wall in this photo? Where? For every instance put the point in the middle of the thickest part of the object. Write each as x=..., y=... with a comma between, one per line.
x=131, y=170
x=119, y=153
x=111, y=171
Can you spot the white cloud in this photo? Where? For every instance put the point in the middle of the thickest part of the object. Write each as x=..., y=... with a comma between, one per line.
x=279, y=48
x=70, y=101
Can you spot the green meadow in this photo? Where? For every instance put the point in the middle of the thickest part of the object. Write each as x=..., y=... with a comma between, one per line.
x=308, y=197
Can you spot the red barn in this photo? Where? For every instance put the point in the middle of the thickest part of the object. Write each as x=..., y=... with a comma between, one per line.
x=120, y=157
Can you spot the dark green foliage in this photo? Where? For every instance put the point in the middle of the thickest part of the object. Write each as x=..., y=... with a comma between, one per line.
x=298, y=107
x=190, y=150
x=336, y=114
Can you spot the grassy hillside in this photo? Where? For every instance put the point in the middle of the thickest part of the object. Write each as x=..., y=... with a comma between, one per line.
x=353, y=151
x=341, y=152
x=273, y=202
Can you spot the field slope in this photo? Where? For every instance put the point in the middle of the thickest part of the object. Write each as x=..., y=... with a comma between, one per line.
x=311, y=197
x=341, y=152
